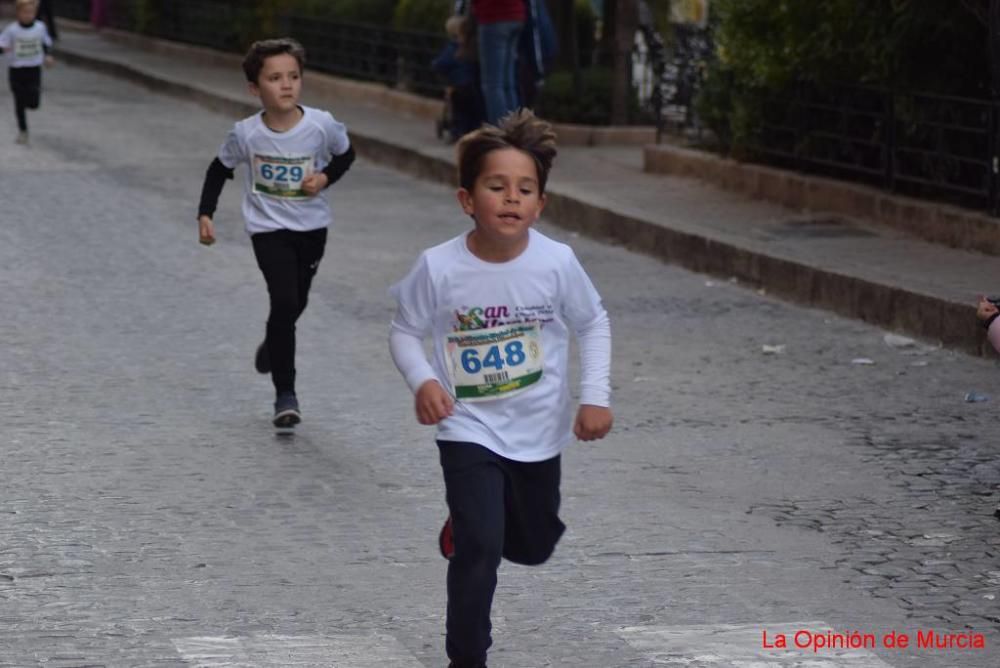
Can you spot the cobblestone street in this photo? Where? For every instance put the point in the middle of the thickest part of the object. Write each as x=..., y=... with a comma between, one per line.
x=151, y=517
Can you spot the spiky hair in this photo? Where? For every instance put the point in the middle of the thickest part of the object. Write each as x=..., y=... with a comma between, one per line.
x=519, y=129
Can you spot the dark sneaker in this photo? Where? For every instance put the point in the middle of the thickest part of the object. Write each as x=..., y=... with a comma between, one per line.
x=286, y=410
x=262, y=361
x=446, y=540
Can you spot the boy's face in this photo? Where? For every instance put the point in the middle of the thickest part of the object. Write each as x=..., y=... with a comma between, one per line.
x=279, y=84
x=26, y=13
x=505, y=200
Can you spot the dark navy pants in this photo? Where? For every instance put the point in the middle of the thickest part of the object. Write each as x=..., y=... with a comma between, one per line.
x=499, y=508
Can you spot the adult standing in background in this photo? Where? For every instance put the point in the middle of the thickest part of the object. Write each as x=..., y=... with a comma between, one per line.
x=98, y=13
x=46, y=13
x=500, y=23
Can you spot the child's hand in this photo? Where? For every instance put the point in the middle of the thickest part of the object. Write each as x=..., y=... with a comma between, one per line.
x=49, y=61
x=986, y=309
x=433, y=404
x=592, y=422
x=206, y=231
x=314, y=183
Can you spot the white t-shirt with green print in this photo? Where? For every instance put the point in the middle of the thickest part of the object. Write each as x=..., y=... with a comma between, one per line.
x=278, y=163
x=25, y=46
x=500, y=340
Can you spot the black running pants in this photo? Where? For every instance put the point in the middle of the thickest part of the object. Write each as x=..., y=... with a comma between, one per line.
x=288, y=261
x=26, y=85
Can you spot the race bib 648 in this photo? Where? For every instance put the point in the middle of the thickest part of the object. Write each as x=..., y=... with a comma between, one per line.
x=494, y=363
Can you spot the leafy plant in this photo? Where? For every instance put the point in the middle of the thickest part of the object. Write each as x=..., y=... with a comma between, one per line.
x=763, y=46
x=559, y=101
x=422, y=15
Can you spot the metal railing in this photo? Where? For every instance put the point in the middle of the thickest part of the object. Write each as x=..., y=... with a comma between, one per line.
x=917, y=144
x=215, y=24
x=398, y=58
x=77, y=10
x=683, y=70
x=667, y=77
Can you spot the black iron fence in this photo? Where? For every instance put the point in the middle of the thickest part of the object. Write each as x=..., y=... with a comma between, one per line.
x=78, y=10
x=916, y=144
x=684, y=67
x=398, y=58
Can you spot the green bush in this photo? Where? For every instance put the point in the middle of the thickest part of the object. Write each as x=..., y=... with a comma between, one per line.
x=422, y=15
x=378, y=12
x=764, y=46
x=558, y=100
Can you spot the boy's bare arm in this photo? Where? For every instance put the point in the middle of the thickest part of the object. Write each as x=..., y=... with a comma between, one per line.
x=592, y=422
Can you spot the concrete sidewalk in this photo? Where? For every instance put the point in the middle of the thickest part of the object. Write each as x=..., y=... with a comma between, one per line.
x=862, y=271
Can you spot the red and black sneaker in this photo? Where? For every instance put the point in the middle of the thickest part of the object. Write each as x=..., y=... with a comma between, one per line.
x=446, y=540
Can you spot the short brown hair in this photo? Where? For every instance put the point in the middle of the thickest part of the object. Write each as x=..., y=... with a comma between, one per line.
x=519, y=129
x=253, y=63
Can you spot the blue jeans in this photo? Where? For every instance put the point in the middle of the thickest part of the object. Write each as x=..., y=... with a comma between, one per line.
x=498, y=66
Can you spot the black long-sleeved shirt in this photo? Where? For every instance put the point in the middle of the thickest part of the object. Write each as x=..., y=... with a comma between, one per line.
x=217, y=175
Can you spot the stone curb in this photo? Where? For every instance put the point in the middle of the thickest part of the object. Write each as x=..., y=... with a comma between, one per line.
x=938, y=223
x=892, y=307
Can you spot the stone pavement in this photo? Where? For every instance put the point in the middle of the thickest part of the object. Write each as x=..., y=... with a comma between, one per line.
x=151, y=518
x=873, y=273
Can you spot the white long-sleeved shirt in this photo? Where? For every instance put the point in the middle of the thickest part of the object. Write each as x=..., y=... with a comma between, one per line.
x=499, y=322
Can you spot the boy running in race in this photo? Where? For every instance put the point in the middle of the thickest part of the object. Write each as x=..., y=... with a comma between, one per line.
x=27, y=43
x=292, y=153
x=500, y=303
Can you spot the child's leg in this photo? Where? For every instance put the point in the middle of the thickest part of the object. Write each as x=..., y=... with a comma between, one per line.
x=32, y=87
x=17, y=86
x=464, y=116
x=532, y=526
x=311, y=246
x=288, y=261
x=474, y=484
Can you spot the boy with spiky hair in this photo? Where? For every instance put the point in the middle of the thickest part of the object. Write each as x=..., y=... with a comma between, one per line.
x=292, y=153
x=28, y=43
x=500, y=303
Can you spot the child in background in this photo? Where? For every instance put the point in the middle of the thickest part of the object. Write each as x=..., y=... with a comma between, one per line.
x=292, y=153
x=458, y=65
x=987, y=312
x=27, y=44
x=500, y=303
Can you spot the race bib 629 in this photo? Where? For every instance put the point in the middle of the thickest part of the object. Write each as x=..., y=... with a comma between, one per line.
x=281, y=176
